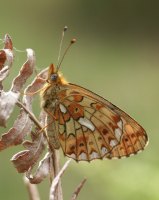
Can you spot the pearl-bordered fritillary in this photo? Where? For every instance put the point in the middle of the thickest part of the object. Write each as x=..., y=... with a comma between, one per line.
x=85, y=125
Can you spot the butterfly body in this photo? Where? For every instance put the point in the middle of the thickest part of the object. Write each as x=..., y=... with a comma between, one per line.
x=85, y=125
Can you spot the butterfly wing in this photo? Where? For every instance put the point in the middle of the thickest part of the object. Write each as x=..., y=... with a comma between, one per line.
x=90, y=127
x=132, y=141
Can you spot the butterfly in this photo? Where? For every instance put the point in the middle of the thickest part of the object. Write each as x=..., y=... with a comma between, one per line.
x=85, y=125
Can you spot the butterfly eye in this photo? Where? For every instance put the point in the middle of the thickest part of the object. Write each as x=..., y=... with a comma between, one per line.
x=53, y=77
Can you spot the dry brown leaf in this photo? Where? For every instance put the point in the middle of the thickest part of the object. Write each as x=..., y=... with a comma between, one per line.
x=32, y=89
x=9, y=57
x=26, y=159
x=7, y=104
x=9, y=99
x=42, y=171
x=7, y=45
x=6, y=59
x=25, y=72
x=3, y=74
x=8, y=42
x=22, y=126
x=3, y=58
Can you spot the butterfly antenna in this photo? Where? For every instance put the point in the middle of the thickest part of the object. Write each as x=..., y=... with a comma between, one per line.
x=65, y=52
x=62, y=37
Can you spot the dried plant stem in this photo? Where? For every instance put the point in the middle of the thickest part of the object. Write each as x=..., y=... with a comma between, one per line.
x=31, y=115
x=32, y=190
x=78, y=189
x=56, y=169
x=56, y=182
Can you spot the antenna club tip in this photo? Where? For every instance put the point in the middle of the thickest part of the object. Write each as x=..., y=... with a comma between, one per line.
x=73, y=40
x=65, y=28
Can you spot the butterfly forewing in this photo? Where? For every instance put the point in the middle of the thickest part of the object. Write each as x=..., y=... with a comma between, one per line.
x=90, y=127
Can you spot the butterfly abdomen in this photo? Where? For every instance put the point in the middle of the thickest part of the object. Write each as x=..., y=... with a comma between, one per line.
x=48, y=103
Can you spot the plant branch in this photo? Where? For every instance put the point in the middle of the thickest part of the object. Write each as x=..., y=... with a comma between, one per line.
x=56, y=181
x=78, y=189
x=32, y=190
x=56, y=170
x=31, y=115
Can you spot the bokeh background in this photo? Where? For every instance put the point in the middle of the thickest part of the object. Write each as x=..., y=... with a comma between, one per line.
x=116, y=56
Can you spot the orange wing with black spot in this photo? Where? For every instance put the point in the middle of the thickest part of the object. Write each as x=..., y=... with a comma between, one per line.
x=89, y=127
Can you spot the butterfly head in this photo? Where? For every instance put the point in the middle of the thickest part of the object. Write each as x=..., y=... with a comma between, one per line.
x=54, y=77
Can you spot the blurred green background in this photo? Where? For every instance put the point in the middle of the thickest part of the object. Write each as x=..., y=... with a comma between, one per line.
x=116, y=56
